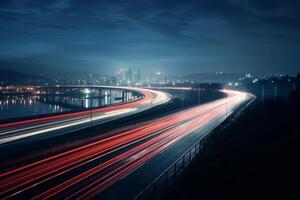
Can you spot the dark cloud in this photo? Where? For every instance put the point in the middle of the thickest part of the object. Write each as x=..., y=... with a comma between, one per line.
x=199, y=35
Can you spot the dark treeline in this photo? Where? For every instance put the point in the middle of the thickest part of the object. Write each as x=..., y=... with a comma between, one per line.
x=209, y=86
x=273, y=87
x=254, y=157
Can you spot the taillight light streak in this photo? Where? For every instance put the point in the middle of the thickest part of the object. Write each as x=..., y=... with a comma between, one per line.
x=144, y=142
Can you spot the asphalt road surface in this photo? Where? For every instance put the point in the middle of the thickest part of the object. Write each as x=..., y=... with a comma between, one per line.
x=120, y=163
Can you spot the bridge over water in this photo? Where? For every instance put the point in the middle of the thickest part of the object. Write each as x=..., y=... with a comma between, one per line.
x=131, y=100
x=76, y=96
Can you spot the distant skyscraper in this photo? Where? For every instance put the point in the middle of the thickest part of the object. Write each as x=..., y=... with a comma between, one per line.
x=139, y=76
x=123, y=75
x=135, y=79
x=129, y=75
x=89, y=79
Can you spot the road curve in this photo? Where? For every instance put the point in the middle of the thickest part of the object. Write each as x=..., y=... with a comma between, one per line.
x=60, y=124
x=86, y=171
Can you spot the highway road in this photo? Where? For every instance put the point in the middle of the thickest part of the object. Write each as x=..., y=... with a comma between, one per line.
x=63, y=123
x=120, y=163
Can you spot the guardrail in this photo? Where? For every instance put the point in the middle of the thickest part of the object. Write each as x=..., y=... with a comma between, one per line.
x=161, y=184
x=169, y=176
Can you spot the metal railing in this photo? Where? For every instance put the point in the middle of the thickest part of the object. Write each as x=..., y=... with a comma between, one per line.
x=169, y=176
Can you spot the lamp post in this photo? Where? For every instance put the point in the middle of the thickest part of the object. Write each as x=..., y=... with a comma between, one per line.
x=182, y=97
x=226, y=104
x=198, y=95
x=275, y=91
x=263, y=93
x=91, y=106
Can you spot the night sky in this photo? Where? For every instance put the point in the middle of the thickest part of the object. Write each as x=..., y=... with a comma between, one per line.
x=172, y=36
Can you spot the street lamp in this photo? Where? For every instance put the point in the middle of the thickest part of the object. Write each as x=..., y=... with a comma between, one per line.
x=263, y=93
x=182, y=97
x=226, y=105
x=198, y=95
x=275, y=91
x=91, y=107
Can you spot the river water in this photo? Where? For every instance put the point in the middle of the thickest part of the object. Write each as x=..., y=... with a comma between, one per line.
x=24, y=106
x=15, y=107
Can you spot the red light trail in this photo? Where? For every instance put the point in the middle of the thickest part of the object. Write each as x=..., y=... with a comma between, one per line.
x=87, y=170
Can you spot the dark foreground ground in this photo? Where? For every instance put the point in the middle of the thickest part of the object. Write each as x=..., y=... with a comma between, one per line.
x=254, y=157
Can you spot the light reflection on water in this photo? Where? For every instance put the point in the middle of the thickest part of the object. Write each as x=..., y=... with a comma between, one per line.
x=22, y=106
x=26, y=106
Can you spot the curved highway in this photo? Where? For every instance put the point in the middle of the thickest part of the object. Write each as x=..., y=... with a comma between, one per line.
x=120, y=163
x=60, y=124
